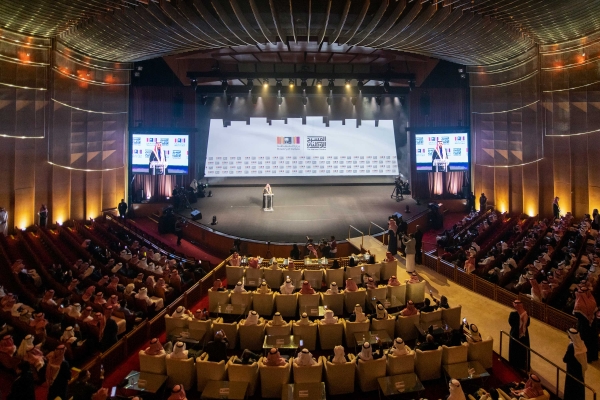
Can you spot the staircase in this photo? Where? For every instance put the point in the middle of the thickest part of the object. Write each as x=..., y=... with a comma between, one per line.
x=369, y=242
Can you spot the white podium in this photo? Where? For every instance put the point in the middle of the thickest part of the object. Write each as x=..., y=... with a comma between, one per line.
x=440, y=165
x=268, y=202
x=158, y=168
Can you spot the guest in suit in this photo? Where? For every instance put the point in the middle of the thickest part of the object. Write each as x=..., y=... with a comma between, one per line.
x=519, y=321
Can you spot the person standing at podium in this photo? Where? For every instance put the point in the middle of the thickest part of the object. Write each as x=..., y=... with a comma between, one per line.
x=438, y=154
x=266, y=190
x=159, y=156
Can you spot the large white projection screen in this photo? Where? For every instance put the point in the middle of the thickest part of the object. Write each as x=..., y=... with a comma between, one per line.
x=294, y=149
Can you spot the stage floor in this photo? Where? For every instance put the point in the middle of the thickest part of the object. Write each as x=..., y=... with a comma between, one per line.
x=316, y=211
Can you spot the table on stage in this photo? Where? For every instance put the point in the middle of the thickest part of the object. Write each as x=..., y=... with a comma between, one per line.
x=268, y=202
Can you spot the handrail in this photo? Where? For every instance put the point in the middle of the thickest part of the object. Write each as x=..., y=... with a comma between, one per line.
x=362, y=240
x=558, y=369
x=385, y=234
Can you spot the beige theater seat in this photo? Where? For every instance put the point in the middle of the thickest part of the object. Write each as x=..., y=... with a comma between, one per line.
x=243, y=373
x=286, y=304
x=311, y=374
x=308, y=302
x=202, y=330
x=253, y=276
x=451, y=316
x=216, y=299
x=252, y=336
x=368, y=372
x=396, y=295
x=242, y=298
x=482, y=351
x=314, y=277
x=354, y=273
x=296, y=277
x=374, y=271
x=388, y=325
x=428, y=364
x=209, y=371
x=174, y=326
x=121, y=323
x=153, y=364
x=330, y=335
x=273, y=277
x=415, y=292
x=505, y=396
x=380, y=294
x=230, y=329
x=308, y=333
x=398, y=365
x=340, y=377
x=234, y=274
x=181, y=371
x=353, y=298
x=431, y=318
x=389, y=269
x=280, y=330
x=335, y=275
x=273, y=378
x=334, y=302
x=350, y=328
x=263, y=303
x=454, y=354
x=405, y=327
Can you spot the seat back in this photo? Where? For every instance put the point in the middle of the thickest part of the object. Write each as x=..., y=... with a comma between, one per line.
x=263, y=303
x=380, y=294
x=273, y=277
x=335, y=275
x=368, y=372
x=310, y=374
x=181, y=372
x=354, y=273
x=307, y=302
x=308, y=333
x=287, y=304
x=242, y=298
x=330, y=335
x=350, y=328
x=340, y=377
x=415, y=292
x=389, y=269
x=273, y=378
x=230, y=329
x=174, y=326
x=428, y=364
x=454, y=354
x=216, y=299
x=334, y=302
x=374, y=271
x=251, y=336
x=388, y=325
x=314, y=277
x=353, y=298
x=253, y=276
x=431, y=318
x=234, y=274
x=243, y=373
x=153, y=364
x=209, y=371
x=482, y=351
x=396, y=295
x=404, y=364
x=200, y=330
x=451, y=316
x=295, y=276
x=405, y=327
x=279, y=330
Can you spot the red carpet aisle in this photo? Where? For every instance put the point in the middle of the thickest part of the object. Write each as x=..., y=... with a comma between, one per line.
x=429, y=242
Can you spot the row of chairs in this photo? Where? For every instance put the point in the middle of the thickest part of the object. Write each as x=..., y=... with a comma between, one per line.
x=288, y=305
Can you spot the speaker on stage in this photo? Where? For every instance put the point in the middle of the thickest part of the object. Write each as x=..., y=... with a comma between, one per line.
x=196, y=215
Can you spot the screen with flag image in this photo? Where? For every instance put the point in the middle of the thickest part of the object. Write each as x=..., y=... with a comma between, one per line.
x=293, y=148
x=442, y=152
x=159, y=154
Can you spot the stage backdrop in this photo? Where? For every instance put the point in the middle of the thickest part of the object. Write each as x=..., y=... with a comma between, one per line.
x=361, y=136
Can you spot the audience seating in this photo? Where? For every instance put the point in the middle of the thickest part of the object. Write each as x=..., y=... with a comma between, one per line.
x=355, y=273
x=273, y=277
x=154, y=364
x=388, y=269
x=181, y=372
x=273, y=378
x=380, y=294
x=388, y=325
x=174, y=326
x=482, y=351
x=242, y=298
x=295, y=276
x=369, y=371
x=310, y=374
x=415, y=292
x=335, y=275
x=279, y=330
x=263, y=303
x=230, y=329
x=308, y=302
x=334, y=302
x=505, y=396
x=209, y=371
x=252, y=336
x=216, y=299
x=201, y=330
x=308, y=333
x=431, y=318
x=428, y=364
x=350, y=328
x=374, y=271
x=243, y=373
x=330, y=335
x=253, y=277
x=396, y=295
x=234, y=274
x=405, y=327
x=353, y=298
x=340, y=377
x=452, y=317
x=397, y=365
x=287, y=304
x=454, y=354
x=314, y=277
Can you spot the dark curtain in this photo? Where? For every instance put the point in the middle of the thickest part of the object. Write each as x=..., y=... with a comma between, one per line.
x=441, y=183
x=155, y=186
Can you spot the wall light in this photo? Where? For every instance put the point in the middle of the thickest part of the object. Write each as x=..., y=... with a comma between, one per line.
x=319, y=84
x=266, y=83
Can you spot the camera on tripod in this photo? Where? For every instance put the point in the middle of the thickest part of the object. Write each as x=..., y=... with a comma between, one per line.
x=400, y=188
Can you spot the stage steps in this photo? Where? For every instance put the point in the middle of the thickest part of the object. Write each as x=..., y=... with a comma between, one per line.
x=370, y=243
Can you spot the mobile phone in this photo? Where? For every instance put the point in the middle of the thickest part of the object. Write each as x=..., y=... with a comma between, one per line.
x=362, y=269
x=301, y=342
x=113, y=391
x=464, y=320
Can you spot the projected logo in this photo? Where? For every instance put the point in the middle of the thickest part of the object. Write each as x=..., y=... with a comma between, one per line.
x=137, y=140
x=288, y=143
x=419, y=140
x=445, y=140
x=164, y=141
x=150, y=141
x=147, y=153
x=429, y=151
x=457, y=151
x=316, y=142
x=460, y=139
x=179, y=141
x=176, y=154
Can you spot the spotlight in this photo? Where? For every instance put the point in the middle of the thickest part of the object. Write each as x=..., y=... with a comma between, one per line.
x=136, y=74
x=250, y=84
x=360, y=85
x=463, y=76
x=214, y=220
x=140, y=68
x=229, y=101
x=203, y=100
x=331, y=84
x=279, y=100
x=279, y=85
x=460, y=70
x=194, y=83
x=224, y=85
x=291, y=84
x=386, y=86
x=582, y=53
x=319, y=84
x=353, y=100
x=347, y=83
x=304, y=100
x=266, y=83
x=329, y=100
x=303, y=84
x=378, y=100
x=254, y=99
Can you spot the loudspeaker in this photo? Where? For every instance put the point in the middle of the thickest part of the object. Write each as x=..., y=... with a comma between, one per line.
x=196, y=215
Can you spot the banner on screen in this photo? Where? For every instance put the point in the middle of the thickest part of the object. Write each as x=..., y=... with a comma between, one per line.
x=170, y=151
x=442, y=152
x=296, y=149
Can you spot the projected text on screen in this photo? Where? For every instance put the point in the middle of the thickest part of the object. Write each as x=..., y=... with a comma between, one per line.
x=159, y=154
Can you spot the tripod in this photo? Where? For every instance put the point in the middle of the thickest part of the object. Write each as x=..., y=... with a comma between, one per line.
x=397, y=193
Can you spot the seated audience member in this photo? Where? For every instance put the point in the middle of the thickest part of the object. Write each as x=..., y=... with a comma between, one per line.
x=531, y=389
x=31, y=353
x=217, y=286
x=414, y=278
x=88, y=294
x=389, y=257
x=49, y=298
x=351, y=285
x=177, y=393
x=473, y=335
x=409, y=310
x=393, y=281
x=442, y=302
x=274, y=359
x=295, y=252
x=39, y=323
x=201, y=314
x=358, y=315
x=217, y=348
x=380, y=312
x=253, y=263
x=246, y=358
x=68, y=336
x=328, y=318
x=239, y=288
x=252, y=319
x=179, y=351
x=287, y=287
x=307, y=288
x=7, y=346
x=470, y=265
x=371, y=284
x=305, y=359
x=86, y=315
x=181, y=312
x=143, y=295
x=339, y=355
x=335, y=264
x=429, y=344
x=456, y=391
x=263, y=288
x=399, y=348
x=367, y=353
x=333, y=289
x=155, y=348
x=99, y=299
x=235, y=260
x=82, y=389
x=304, y=319
x=277, y=320
x=23, y=387
x=427, y=307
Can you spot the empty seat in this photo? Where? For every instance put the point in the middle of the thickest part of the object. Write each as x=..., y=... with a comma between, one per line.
x=287, y=304
x=334, y=302
x=388, y=325
x=154, y=364
x=243, y=373
x=396, y=295
x=181, y=371
x=380, y=294
x=308, y=302
x=388, y=269
x=428, y=364
x=314, y=277
x=369, y=371
x=398, y=365
x=234, y=274
x=263, y=303
x=405, y=327
x=352, y=298
x=308, y=333
x=431, y=318
x=209, y=371
x=415, y=292
x=451, y=316
x=174, y=326
x=454, y=354
x=350, y=328
x=244, y=298
x=251, y=336
x=253, y=276
x=482, y=352
x=273, y=277
x=217, y=299
x=374, y=271
x=330, y=335
x=201, y=330
x=335, y=275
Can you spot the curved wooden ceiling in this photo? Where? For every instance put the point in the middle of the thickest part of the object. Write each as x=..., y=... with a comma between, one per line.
x=471, y=32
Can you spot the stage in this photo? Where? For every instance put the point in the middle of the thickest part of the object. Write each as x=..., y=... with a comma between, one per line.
x=316, y=211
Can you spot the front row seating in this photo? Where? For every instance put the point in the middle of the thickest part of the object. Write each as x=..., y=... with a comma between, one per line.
x=340, y=377
x=243, y=373
x=209, y=371
x=181, y=371
x=272, y=378
x=369, y=371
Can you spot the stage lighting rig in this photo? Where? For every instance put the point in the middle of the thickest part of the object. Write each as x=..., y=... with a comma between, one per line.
x=319, y=84
x=386, y=86
x=360, y=85
x=279, y=85
x=194, y=84
x=266, y=83
x=303, y=84
x=291, y=84
x=331, y=84
x=224, y=85
x=250, y=84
